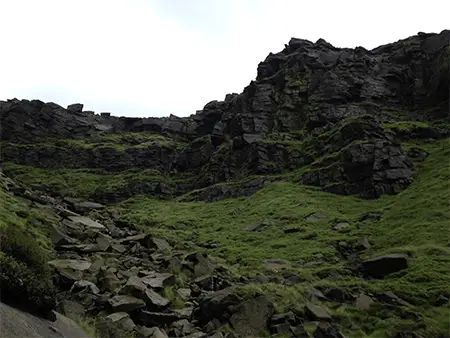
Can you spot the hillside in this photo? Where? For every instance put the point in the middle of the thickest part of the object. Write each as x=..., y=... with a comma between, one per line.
x=314, y=203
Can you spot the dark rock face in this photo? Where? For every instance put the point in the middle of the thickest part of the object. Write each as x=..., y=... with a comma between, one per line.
x=309, y=100
x=382, y=266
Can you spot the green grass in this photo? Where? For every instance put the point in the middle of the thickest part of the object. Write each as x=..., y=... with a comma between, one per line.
x=85, y=183
x=415, y=221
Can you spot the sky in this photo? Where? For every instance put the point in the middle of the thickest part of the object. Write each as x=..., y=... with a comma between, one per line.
x=161, y=57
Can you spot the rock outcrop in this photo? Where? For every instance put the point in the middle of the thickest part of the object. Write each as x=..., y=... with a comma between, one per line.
x=307, y=92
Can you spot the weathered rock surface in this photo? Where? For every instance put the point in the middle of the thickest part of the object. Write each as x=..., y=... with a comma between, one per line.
x=18, y=324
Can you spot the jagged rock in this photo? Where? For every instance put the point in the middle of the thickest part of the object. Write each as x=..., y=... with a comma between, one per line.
x=252, y=316
x=316, y=312
x=70, y=269
x=363, y=302
x=75, y=108
x=87, y=222
x=123, y=303
x=314, y=294
x=84, y=284
x=391, y=298
x=59, y=237
x=159, y=280
x=67, y=307
x=108, y=280
x=379, y=267
x=154, y=301
x=134, y=287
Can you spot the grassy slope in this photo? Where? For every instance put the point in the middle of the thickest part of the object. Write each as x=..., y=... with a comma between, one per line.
x=416, y=221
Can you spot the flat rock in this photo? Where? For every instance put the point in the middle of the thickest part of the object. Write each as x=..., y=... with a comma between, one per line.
x=341, y=226
x=150, y=319
x=87, y=206
x=315, y=217
x=71, y=269
x=159, y=280
x=316, y=312
x=364, y=302
x=124, y=303
x=257, y=227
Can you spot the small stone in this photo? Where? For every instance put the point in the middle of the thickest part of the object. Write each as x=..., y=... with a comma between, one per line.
x=103, y=241
x=160, y=280
x=315, y=217
x=134, y=287
x=341, y=226
x=87, y=222
x=159, y=334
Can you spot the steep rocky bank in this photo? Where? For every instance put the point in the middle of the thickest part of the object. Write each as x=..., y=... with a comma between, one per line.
x=103, y=219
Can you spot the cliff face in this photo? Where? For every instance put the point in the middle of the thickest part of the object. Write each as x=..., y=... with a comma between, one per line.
x=326, y=115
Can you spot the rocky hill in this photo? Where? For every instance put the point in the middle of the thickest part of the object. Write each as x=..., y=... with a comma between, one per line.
x=327, y=181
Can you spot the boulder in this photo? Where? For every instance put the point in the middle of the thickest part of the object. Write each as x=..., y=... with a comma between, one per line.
x=251, y=317
x=214, y=305
x=124, y=303
x=149, y=318
x=381, y=266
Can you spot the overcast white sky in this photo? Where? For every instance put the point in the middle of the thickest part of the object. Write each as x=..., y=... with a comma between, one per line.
x=157, y=57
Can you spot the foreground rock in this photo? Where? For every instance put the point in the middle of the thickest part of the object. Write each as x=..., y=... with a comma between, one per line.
x=18, y=324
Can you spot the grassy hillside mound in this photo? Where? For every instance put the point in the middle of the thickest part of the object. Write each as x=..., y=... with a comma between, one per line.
x=302, y=230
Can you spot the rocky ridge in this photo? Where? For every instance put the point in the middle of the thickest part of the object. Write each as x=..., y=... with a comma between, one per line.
x=312, y=106
x=317, y=115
